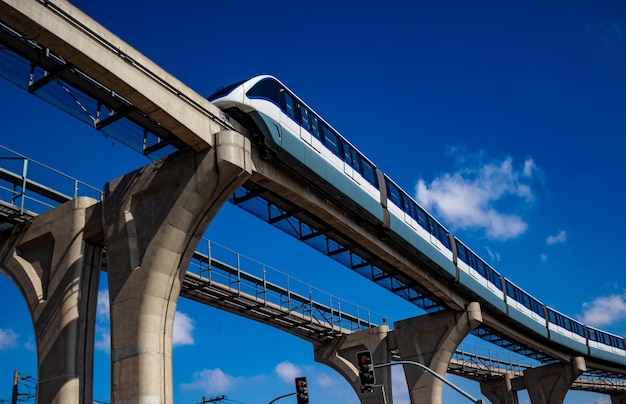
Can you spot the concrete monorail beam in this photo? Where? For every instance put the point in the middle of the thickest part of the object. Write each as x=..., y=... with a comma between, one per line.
x=87, y=45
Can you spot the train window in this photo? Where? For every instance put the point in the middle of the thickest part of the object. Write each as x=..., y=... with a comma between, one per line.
x=331, y=140
x=439, y=232
x=224, y=90
x=524, y=298
x=349, y=156
x=578, y=328
x=565, y=322
x=480, y=267
x=421, y=217
x=606, y=339
x=368, y=172
x=461, y=252
x=409, y=206
x=290, y=106
x=314, y=127
x=304, y=118
x=493, y=277
x=268, y=89
x=393, y=193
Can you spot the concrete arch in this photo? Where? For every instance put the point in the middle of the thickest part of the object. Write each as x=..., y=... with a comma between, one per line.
x=56, y=271
x=153, y=219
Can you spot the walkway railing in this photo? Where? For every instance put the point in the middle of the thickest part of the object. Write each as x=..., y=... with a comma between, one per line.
x=32, y=187
x=267, y=286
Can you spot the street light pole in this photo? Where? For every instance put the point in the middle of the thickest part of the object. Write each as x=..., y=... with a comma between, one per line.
x=432, y=372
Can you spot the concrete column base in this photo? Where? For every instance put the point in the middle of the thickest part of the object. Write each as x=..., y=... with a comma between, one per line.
x=58, y=273
x=431, y=340
x=500, y=391
x=340, y=354
x=549, y=384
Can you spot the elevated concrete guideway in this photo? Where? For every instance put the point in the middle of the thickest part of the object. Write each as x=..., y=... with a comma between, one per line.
x=97, y=52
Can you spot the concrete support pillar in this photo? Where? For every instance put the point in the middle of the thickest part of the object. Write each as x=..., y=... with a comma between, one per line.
x=153, y=219
x=340, y=354
x=57, y=272
x=431, y=340
x=618, y=398
x=549, y=384
x=500, y=391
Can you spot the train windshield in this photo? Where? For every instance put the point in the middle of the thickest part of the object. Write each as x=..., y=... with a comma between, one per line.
x=270, y=89
x=222, y=91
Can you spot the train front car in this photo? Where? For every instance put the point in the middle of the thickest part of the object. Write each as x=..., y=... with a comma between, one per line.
x=304, y=142
x=260, y=114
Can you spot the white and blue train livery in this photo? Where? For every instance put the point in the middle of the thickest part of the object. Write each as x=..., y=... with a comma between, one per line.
x=287, y=128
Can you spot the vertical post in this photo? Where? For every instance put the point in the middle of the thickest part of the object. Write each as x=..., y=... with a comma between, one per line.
x=15, y=378
x=264, y=284
x=24, y=172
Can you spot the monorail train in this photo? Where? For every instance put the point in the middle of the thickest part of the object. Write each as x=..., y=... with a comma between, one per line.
x=289, y=129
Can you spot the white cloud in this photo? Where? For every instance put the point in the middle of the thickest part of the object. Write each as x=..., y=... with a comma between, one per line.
x=183, y=329
x=529, y=167
x=327, y=381
x=561, y=237
x=103, y=339
x=212, y=381
x=30, y=345
x=287, y=371
x=103, y=315
x=8, y=339
x=543, y=257
x=495, y=256
x=604, y=310
x=473, y=196
x=102, y=308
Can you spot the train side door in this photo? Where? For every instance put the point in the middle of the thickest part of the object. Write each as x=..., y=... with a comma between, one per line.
x=305, y=124
x=350, y=161
x=289, y=121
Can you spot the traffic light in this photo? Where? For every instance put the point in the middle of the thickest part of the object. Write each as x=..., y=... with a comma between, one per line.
x=302, y=390
x=366, y=369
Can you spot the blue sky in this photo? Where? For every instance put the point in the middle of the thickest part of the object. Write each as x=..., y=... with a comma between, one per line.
x=504, y=119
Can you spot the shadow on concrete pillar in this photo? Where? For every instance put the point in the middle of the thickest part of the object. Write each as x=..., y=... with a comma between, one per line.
x=431, y=340
x=500, y=391
x=340, y=354
x=618, y=397
x=549, y=384
x=57, y=272
x=153, y=219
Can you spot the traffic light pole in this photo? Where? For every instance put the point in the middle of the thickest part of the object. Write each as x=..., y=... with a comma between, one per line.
x=283, y=396
x=432, y=372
